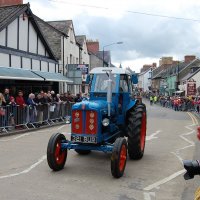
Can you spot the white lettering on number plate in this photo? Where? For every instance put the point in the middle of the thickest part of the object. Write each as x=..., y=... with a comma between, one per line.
x=84, y=139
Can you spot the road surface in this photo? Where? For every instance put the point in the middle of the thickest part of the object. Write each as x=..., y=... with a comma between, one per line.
x=171, y=137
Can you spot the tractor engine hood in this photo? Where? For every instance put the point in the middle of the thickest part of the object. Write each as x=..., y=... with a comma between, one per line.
x=98, y=105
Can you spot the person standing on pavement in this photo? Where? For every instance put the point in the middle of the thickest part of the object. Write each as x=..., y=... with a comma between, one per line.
x=78, y=97
x=2, y=110
x=155, y=99
x=21, y=118
x=39, y=100
x=32, y=108
x=7, y=95
x=176, y=104
x=13, y=111
x=151, y=100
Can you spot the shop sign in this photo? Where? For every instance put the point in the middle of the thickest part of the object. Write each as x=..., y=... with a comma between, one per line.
x=191, y=88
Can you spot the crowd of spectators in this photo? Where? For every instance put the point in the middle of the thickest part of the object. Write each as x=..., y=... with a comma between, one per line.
x=41, y=106
x=177, y=103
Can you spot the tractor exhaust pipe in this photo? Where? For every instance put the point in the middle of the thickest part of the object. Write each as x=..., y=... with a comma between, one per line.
x=109, y=91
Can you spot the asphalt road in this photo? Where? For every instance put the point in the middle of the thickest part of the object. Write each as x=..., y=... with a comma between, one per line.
x=171, y=137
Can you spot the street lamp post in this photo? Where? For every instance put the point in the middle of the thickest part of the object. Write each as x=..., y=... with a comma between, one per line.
x=109, y=45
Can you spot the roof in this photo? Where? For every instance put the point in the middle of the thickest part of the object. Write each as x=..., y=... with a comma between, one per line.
x=24, y=74
x=188, y=64
x=159, y=74
x=114, y=70
x=9, y=13
x=57, y=77
x=190, y=75
x=168, y=70
x=104, y=55
x=52, y=35
x=80, y=39
x=112, y=65
x=18, y=74
x=62, y=25
x=144, y=72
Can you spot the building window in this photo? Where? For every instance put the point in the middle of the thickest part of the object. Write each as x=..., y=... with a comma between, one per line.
x=70, y=59
x=76, y=60
x=150, y=74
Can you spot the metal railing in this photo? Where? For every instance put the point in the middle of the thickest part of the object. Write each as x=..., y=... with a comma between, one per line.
x=13, y=117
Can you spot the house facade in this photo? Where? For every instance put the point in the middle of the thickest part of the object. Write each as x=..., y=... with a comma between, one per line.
x=144, y=80
x=96, y=56
x=171, y=78
x=73, y=51
x=27, y=61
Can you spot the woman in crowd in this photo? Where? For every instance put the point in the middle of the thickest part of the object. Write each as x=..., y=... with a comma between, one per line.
x=32, y=108
x=2, y=110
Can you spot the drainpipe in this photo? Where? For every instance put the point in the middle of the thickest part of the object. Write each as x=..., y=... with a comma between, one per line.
x=63, y=61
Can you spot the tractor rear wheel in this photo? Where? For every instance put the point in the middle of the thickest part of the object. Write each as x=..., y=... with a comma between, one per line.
x=136, y=131
x=56, y=157
x=82, y=152
x=119, y=157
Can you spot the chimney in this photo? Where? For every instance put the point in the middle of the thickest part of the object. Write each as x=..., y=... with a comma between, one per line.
x=166, y=61
x=154, y=65
x=93, y=46
x=10, y=2
x=189, y=58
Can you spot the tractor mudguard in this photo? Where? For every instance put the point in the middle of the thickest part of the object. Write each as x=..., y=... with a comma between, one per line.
x=131, y=104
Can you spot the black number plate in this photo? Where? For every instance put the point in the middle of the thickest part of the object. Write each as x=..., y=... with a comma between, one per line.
x=83, y=139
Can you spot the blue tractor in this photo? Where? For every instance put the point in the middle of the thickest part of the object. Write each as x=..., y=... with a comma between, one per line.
x=110, y=121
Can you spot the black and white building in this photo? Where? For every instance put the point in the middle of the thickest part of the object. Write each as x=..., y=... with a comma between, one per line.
x=27, y=61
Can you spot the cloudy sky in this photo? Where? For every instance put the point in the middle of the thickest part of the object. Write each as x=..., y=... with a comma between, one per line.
x=146, y=37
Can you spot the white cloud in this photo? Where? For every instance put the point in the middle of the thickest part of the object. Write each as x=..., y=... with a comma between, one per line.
x=146, y=38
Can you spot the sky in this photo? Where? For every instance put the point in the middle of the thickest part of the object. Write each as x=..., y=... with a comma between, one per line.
x=145, y=35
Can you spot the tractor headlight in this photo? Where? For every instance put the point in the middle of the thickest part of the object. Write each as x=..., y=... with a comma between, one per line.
x=105, y=122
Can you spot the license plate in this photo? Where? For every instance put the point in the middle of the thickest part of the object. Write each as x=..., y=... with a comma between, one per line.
x=83, y=139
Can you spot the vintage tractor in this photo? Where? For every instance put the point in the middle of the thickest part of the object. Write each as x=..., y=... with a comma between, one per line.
x=110, y=121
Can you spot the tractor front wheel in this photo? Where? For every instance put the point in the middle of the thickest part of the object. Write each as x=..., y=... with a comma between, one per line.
x=119, y=157
x=56, y=156
x=136, y=132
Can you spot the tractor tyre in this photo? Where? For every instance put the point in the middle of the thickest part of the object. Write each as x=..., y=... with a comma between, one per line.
x=119, y=157
x=82, y=152
x=56, y=157
x=136, y=131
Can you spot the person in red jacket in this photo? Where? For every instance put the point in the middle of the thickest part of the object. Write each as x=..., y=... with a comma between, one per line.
x=21, y=118
x=20, y=99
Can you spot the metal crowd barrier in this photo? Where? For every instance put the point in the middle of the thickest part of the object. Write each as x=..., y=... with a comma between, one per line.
x=16, y=117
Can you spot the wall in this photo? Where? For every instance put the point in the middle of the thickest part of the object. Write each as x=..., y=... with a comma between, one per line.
x=95, y=62
x=171, y=80
x=196, y=77
x=85, y=55
x=20, y=45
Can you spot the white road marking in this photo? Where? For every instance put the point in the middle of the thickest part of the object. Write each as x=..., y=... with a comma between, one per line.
x=148, y=195
x=16, y=138
x=177, y=154
x=152, y=136
x=22, y=135
x=26, y=170
x=66, y=133
x=182, y=136
x=163, y=181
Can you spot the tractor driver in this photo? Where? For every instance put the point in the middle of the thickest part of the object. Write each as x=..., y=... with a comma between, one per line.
x=102, y=83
